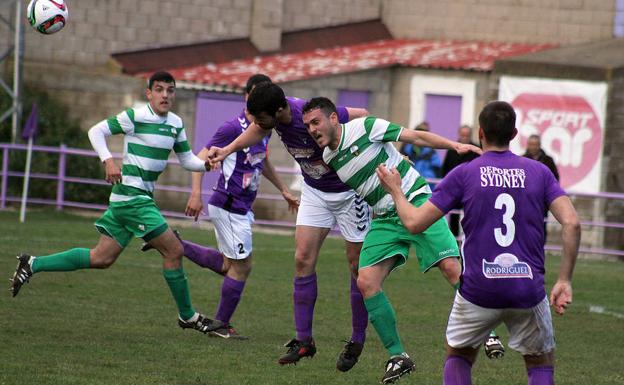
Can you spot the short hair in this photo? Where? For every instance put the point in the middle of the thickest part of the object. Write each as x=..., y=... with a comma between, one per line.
x=322, y=103
x=254, y=80
x=535, y=136
x=160, y=76
x=422, y=126
x=498, y=121
x=266, y=97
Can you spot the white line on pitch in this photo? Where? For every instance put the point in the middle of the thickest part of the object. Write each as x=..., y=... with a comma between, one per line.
x=601, y=310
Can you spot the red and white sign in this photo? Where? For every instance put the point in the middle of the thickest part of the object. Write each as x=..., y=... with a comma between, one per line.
x=569, y=117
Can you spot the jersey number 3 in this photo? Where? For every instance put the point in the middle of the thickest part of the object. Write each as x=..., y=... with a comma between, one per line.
x=506, y=202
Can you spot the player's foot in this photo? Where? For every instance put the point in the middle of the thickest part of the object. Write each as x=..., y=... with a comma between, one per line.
x=202, y=324
x=146, y=246
x=228, y=332
x=22, y=274
x=349, y=355
x=397, y=367
x=297, y=350
x=494, y=347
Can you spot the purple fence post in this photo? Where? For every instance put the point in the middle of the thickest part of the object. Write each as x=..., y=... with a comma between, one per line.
x=60, y=186
x=5, y=177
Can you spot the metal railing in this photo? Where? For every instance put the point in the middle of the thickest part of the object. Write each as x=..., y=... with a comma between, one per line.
x=62, y=179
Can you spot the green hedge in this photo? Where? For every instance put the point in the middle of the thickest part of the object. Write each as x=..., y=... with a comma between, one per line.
x=55, y=127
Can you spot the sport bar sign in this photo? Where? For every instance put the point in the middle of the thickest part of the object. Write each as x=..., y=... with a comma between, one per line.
x=569, y=116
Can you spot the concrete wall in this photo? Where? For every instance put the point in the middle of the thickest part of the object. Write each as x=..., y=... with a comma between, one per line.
x=534, y=21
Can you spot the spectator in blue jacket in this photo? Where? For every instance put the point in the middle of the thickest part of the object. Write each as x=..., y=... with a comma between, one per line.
x=425, y=159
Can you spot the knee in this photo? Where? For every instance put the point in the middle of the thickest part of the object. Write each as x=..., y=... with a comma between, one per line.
x=174, y=252
x=304, y=260
x=367, y=286
x=353, y=267
x=450, y=268
x=100, y=260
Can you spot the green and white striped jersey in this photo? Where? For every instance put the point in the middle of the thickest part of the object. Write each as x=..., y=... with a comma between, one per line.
x=364, y=145
x=148, y=140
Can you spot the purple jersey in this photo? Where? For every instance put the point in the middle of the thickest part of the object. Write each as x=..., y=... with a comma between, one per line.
x=240, y=172
x=504, y=197
x=306, y=152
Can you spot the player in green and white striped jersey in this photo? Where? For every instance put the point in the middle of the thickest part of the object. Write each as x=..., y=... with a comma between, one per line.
x=150, y=133
x=355, y=150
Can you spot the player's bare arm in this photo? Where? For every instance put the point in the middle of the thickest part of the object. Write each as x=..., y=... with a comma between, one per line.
x=252, y=135
x=355, y=113
x=269, y=172
x=564, y=212
x=428, y=139
x=415, y=219
x=194, y=205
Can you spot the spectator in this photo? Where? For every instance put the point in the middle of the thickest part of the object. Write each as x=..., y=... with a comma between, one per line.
x=452, y=160
x=425, y=159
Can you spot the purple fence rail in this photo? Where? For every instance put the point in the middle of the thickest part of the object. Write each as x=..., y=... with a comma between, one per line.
x=61, y=178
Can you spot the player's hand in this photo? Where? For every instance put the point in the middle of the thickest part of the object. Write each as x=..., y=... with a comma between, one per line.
x=293, y=201
x=194, y=206
x=113, y=172
x=561, y=296
x=463, y=148
x=215, y=156
x=390, y=179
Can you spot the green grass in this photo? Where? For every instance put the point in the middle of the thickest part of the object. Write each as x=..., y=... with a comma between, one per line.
x=118, y=326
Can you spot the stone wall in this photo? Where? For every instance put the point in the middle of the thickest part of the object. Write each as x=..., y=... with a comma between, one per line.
x=527, y=21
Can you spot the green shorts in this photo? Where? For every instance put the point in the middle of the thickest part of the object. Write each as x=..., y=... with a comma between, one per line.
x=138, y=217
x=388, y=237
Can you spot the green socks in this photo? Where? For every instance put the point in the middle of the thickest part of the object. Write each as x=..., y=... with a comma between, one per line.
x=382, y=316
x=178, y=284
x=68, y=260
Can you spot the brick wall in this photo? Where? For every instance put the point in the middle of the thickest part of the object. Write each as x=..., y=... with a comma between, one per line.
x=535, y=21
x=303, y=14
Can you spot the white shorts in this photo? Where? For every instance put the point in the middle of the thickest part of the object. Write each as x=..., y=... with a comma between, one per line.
x=323, y=209
x=530, y=330
x=233, y=232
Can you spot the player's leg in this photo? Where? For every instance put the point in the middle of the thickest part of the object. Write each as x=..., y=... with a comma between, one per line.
x=468, y=325
x=114, y=238
x=354, y=218
x=531, y=334
x=234, y=238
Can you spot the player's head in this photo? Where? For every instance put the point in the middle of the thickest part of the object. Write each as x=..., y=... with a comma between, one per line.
x=497, y=123
x=422, y=126
x=265, y=101
x=534, y=145
x=161, y=92
x=253, y=81
x=463, y=134
x=321, y=119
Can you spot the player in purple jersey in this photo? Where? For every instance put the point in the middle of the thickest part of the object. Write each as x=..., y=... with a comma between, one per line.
x=325, y=201
x=229, y=209
x=504, y=198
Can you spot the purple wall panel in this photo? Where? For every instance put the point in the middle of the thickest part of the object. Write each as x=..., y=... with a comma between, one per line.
x=349, y=98
x=213, y=109
x=443, y=112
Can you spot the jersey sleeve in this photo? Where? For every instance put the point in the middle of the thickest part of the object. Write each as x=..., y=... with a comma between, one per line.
x=224, y=135
x=181, y=144
x=449, y=193
x=343, y=114
x=122, y=123
x=552, y=189
x=380, y=130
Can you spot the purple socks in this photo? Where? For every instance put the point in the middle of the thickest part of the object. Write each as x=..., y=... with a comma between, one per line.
x=457, y=371
x=359, y=315
x=231, y=292
x=541, y=375
x=304, y=298
x=204, y=256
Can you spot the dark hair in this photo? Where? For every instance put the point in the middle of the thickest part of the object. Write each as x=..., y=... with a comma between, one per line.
x=160, y=76
x=254, y=80
x=266, y=97
x=535, y=136
x=322, y=103
x=498, y=121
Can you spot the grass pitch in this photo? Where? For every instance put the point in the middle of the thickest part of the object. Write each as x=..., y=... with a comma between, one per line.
x=118, y=326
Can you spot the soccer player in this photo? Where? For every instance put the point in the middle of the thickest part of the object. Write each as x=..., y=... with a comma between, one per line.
x=354, y=150
x=230, y=212
x=325, y=201
x=504, y=198
x=150, y=133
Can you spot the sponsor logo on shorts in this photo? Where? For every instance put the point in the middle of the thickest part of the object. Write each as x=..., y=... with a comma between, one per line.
x=300, y=152
x=506, y=266
x=446, y=252
x=142, y=227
